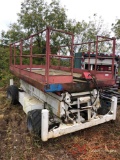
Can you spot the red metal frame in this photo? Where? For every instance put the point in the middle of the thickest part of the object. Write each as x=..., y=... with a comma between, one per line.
x=39, y=80
x=19, y=69
x=100, y=75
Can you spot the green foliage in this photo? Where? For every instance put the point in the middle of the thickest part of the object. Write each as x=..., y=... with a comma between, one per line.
x=87, y=31
x=31, y=17
x=65, y=62
x=34, y=16
x=116, y=28
x=14, y=33
x=60, y=62
x=5, y=74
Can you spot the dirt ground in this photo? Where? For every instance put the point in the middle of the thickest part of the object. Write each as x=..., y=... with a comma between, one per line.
x=16, y=143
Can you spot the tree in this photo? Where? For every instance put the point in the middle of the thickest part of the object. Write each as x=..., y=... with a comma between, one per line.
x=116, y=28
x=15, y=33
x=35, y=15
x=87, y=31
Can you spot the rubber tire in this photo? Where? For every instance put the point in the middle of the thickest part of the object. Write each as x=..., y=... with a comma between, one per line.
x=105, y=107
x=34, y=121
x=12, y=92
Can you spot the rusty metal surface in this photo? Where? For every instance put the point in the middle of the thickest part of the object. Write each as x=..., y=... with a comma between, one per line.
x=29, y=80
x=70, y=87
x=78, y=87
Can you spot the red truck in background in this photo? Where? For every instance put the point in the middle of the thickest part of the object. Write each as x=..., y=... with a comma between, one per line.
x=103, y=64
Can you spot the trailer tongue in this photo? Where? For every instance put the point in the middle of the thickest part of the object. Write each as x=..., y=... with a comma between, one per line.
x=58, y=98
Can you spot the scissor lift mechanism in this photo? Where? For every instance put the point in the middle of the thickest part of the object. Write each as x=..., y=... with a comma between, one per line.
x=66, y=100
x=34, y=99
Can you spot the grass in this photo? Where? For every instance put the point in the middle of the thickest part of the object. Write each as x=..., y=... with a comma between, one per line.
x=98, y=142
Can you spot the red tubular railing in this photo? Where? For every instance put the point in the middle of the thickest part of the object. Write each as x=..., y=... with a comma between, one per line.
x=113, y=49
x=21, y=50
x=96, y=54
x=19, y=47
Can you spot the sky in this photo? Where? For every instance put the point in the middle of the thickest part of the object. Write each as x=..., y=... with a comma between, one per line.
x=76, y=9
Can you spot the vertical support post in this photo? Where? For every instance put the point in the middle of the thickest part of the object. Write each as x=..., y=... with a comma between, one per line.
x=89, y=111
x=21, y=47
x=31, y=53
x=72, y=55
x=59, y=56
x=114, y=107
x=47, y=55
x=113, y=56
x=78, y=106
x=96, y=54
x=44, y=124
x=14, y=54
x=89, y=50
x=10, y=60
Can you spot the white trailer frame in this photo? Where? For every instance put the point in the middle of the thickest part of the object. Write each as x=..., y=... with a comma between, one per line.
x=31, y=98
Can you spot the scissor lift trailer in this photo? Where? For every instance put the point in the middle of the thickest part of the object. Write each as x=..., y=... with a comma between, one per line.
x=58, y=98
